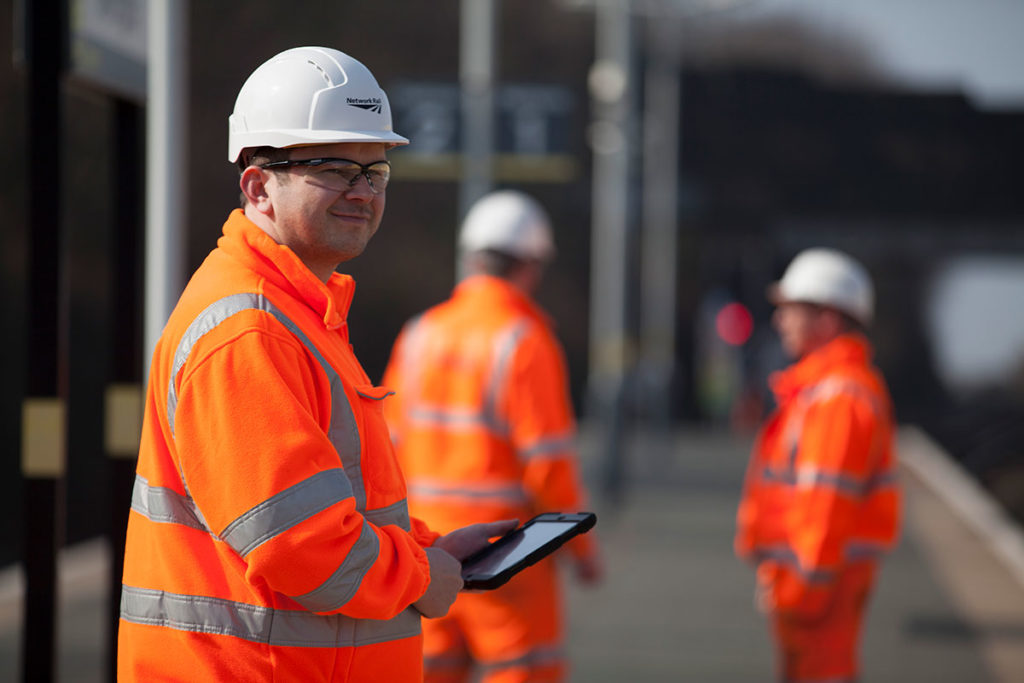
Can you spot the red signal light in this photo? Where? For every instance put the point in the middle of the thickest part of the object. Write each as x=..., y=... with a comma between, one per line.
x=734, y=324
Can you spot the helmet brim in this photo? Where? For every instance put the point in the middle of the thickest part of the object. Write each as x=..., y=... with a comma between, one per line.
x=283, y=139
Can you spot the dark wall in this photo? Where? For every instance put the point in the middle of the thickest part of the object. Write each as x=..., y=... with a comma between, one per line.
x=774, y=144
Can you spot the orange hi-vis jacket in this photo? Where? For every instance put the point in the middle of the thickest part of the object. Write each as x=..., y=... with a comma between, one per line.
x=820, y=492
x=481, y=416
x=269, y=536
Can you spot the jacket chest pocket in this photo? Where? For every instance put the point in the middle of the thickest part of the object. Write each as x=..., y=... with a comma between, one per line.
x=385, y=482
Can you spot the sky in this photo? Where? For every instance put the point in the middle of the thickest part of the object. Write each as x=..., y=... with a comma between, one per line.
x=976, y=46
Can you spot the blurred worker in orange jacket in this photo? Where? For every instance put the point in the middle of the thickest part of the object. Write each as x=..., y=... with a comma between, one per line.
x=821, y=504
x=484, y=430
x=269, y=536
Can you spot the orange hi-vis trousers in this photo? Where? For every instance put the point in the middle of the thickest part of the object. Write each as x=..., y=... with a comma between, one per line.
x=826, y=649
x=512, y=634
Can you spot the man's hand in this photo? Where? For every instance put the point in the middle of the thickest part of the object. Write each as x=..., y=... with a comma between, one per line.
x=445, y=564
x=463, y=542
x=764, y=601
x=589, y=570
x=445, y=584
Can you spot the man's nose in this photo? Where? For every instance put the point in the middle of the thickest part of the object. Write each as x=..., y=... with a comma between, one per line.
x=360, y=188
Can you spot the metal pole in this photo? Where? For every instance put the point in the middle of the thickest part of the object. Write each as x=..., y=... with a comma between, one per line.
x=659, y=238
x=610, y=86
x=166, y=190
x=44, y=411
x=477, y=47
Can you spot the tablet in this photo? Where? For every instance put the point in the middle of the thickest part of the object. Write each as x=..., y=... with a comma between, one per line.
x=495, y=564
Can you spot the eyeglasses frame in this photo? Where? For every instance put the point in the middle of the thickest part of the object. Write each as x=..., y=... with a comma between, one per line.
x=364, y=169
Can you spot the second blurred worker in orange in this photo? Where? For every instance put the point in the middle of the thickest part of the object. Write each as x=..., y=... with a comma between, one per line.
x=484, y=429
x=821, y=503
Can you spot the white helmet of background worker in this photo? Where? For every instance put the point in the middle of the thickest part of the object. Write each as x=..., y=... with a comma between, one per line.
x=829, y=278
x=509, y=222
x=310, y=95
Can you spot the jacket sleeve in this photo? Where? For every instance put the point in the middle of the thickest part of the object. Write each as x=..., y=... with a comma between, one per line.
x=251, y=437
x=836, y=457
x=747, y=513
x=544, y=431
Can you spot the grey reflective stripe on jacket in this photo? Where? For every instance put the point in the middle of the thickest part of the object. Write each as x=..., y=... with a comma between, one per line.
x=783, y=554
x=166, y=506
x=284, y=510
x=505, y=345
x=278, y=514
x=342, y=432
x=261, y=624
x=344, y=582
x=541, y=656
x=509, y=494
x=551, y=447
x=854, y=549
x=270, y=518
x=810, y=475
x=454, y=418
x=827, y=388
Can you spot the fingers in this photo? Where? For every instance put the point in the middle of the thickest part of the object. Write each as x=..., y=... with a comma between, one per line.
x=445, y=584
x=463, y=542
x=492, y=529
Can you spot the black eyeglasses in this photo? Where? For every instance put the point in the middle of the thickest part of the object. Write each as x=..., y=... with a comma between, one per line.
x=341, y=174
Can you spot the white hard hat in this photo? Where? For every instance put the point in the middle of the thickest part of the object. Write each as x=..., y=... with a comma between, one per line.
x=510, y=222
x=829, y=278
x=309, y=95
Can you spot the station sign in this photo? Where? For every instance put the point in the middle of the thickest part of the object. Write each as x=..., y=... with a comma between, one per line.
x=532, y=131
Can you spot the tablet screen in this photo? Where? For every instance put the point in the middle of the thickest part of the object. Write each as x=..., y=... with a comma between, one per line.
x=518, y=546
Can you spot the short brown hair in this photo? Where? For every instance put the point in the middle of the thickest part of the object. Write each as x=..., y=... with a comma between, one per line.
x=494, y=262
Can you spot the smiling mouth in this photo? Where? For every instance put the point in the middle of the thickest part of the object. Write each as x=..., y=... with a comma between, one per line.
x=352, y=216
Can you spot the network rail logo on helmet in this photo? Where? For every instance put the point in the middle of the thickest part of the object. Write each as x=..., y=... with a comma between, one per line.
x=374, y=104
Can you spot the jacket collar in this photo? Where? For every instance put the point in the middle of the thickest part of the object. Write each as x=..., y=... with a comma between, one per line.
x=245, y=241
x=847, y=349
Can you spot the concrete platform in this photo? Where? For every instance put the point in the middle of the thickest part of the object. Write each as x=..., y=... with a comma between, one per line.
x=677, y=606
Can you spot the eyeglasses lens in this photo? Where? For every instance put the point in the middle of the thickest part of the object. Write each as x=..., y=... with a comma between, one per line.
x=340, y=175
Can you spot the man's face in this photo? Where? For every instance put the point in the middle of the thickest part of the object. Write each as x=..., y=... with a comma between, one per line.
x=802, y=327
x=322, y=224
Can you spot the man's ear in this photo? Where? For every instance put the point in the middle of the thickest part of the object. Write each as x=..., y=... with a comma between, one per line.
x=253, y=184
x=831, y=322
